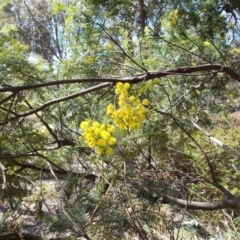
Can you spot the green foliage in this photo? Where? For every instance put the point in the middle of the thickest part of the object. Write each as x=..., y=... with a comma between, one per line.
x=67, y=58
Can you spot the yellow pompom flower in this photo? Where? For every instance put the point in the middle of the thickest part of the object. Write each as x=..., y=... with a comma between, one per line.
x=98, y=136
x=137, y=102
x=118, y=88
x=95, y=124
x=131, y=99
x=121, y=102
x=111, y=128
x=109, y=151
x=97, y=131
x=130, y=111
x=124, y=93
x=119, y=85
x=101, y=143
x=105, y=134
x=100, y=150
x=145, y=102
x=126, y=86
x=84, y=125
x=112, y=141
x=110, y=109
x=206, y=43
x=92, y=144
x=117, y=91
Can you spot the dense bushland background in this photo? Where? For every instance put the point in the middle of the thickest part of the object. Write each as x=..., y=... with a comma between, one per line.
x=60, y=61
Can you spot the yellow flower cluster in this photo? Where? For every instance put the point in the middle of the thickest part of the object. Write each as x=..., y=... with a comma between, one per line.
x=98, y=136
x=173, y=17
x=131, y=111
x=206, y=43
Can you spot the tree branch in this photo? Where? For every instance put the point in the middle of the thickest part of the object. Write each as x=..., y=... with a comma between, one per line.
x=5, y=182
x=142, y=16
x=56, y=171
x=109, y=81
x=233, y=202
x=131, y=79
x=58, y=100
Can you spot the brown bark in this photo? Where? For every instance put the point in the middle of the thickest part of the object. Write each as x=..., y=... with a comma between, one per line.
x=108, y=82
x=145, y=76
x=23, y=166
x=233, y=202
x=142, y=15
x=5, y=182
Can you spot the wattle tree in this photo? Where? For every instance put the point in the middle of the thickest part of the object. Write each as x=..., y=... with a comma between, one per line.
x=127, y=106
